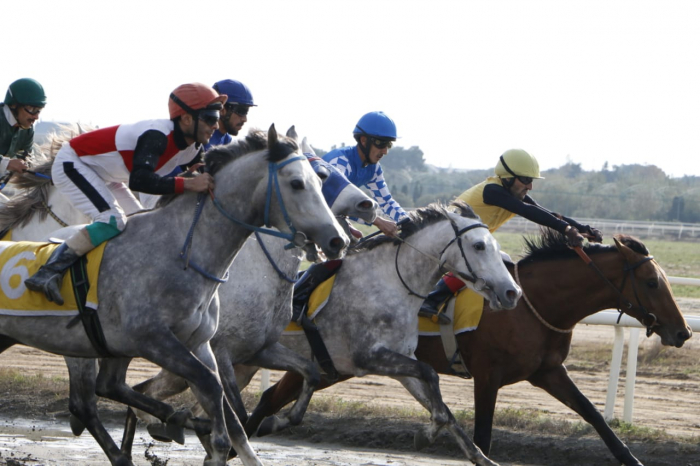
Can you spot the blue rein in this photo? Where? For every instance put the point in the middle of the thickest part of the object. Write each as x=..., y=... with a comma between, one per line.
x=296, y=238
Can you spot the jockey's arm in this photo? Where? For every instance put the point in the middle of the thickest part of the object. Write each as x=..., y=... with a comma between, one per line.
x=149, y=147
x=527, y=208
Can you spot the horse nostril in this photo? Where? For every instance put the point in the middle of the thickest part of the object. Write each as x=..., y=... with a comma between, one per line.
x=337, y=243
x=512, y=295
x=367, y=204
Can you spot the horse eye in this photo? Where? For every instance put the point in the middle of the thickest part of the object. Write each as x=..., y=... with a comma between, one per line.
x=653, y=284
x=323, y=173
x=480, y=246
x=297, y=184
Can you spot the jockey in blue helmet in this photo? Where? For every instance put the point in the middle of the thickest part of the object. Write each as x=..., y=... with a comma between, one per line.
x=235, y=112
x=375, y=134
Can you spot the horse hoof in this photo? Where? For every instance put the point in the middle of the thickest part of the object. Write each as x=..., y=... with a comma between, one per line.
x=421, y=440
x=267, y=426
x=159, y=432
x=76, y=426
x=176, y=433
x=232, y=453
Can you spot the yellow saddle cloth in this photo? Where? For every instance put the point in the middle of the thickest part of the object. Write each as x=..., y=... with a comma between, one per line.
x=319, y=298
x=20, y=260
x=468, y=307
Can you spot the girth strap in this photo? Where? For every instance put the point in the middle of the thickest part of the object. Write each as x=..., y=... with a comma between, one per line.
x=88, y=315
x=318, y=347
x=449, y=344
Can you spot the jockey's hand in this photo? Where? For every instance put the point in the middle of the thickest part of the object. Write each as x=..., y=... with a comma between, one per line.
x=403, y=222
x=200, y=183
x=594, y=235
x=387, y=227
x=17, y=165
x=573, y=237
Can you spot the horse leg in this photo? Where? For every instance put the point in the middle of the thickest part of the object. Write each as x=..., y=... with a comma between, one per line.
x=83, y=405
x=231, y=389
x=485, y=394
x=279, y=357
x=161, y=387
x=557, y=383
x=422, y=382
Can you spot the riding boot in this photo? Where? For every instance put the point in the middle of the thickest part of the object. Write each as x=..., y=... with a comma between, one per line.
x=434, y=303
x=314, y=276
x=49, y=277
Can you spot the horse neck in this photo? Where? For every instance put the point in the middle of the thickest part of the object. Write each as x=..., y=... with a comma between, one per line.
x=566, y=291
x=419, y=261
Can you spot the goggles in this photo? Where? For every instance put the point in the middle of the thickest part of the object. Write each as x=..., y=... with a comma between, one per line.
x=33, y=111
x=381, y=143
x=209, y=117
x=525, y=179
x=238, y=109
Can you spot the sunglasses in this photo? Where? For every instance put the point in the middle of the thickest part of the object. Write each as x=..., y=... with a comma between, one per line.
x=33, y=110
x=238, y=109
x=381, y=143
x=209, y=119
x=525, y=179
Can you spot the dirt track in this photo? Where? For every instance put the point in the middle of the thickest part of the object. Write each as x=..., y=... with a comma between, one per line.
x=671, y=403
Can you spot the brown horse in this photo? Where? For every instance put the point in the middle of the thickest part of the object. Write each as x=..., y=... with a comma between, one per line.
x=516, y=345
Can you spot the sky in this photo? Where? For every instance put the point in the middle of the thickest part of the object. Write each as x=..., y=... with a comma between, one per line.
x=586, y=82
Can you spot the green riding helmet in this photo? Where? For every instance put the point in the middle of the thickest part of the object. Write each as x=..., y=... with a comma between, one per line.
x=517, y=162
x=25, y=91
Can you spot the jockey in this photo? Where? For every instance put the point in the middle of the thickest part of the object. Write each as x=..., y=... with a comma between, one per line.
x=375, y=133
x=92, y=169
x=24, y=100
x=498, y=199
x=235, y=112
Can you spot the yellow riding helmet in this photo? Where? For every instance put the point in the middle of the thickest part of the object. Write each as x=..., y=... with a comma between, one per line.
x=517, y=163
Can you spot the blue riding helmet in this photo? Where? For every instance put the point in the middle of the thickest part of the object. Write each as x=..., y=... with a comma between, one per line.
x=237, y=92
x=376, y=124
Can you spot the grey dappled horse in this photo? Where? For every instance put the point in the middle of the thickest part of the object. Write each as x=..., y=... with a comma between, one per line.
x=152, y=307
x=370, y=323
x=256, y=307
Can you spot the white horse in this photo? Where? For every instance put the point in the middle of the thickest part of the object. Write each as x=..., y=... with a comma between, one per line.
x=152, y=307
x=372, y=328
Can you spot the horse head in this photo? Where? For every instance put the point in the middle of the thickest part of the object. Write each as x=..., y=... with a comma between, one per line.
x=649, y=297
x=343, y=197
x=476, y=255
x=289, y=190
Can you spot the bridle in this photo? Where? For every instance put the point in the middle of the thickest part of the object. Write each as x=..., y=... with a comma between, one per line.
x=479, y=283
x=621, y=300
x=628, y=270
x=297, y=238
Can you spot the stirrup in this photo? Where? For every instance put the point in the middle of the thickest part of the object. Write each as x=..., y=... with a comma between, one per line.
x=439, y=318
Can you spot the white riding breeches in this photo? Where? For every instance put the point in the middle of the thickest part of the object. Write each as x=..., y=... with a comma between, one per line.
x=89, y=192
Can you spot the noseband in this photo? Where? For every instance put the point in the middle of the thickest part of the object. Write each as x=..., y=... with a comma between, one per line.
x=647, y=319
x=479, y=283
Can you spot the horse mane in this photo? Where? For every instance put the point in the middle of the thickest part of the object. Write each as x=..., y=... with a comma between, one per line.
x=256, y=140
x=33, y=191
x=420, y=219
x=552, y=245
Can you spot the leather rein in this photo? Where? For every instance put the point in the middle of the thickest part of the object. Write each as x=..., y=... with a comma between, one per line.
x=479, y=283
x=628, y=270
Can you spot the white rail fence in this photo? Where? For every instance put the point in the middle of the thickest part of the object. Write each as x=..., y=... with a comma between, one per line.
x=609, y=317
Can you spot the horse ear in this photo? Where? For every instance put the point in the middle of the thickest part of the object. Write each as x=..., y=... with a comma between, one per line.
x=292, y=133
x=629, y=254
x=271, y=136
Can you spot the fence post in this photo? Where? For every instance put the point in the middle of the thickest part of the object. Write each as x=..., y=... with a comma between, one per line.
x=630, y=379
x=614, y=372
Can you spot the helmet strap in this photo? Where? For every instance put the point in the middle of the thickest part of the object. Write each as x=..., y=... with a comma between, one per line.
x=505, y=165
x=365, y=150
